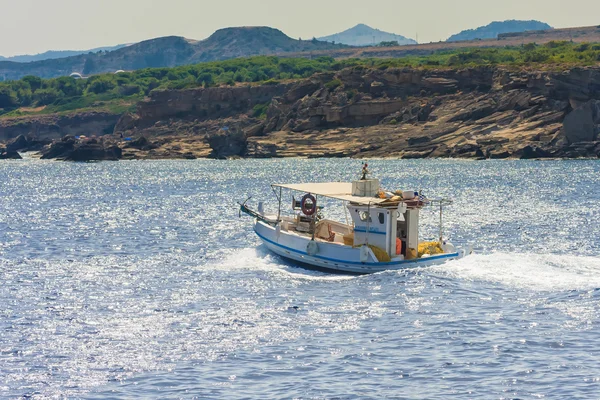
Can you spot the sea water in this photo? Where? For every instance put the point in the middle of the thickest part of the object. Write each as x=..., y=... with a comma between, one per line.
x=138, y=280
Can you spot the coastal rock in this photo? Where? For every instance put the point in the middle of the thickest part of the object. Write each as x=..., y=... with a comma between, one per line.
x=514, y=100
x=70, y=149
x=25, y=143
x=495, y=154
x=530, y=152
x=583, y=123
x=228, y=143
x=254, y=130
x=19, y=143
x=141, y=143
x=94, y=152
x=126, y=122
x=9, y=155
x=59, y=149
x=474, y=111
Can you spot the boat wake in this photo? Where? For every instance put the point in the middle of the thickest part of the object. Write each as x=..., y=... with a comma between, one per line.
x=261, y=259
x=539, y=272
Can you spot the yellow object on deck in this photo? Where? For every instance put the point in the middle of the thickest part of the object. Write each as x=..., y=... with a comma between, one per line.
x=430, y=248
x=411, y=254
x=381, y=254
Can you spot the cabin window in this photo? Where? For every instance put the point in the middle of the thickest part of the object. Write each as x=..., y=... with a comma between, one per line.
x=381, y=218
x=363, y=215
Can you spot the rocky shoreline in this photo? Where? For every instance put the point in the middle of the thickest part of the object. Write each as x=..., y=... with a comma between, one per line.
x=476, y=113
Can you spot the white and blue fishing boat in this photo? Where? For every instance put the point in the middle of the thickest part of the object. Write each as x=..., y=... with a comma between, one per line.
x=383, y=233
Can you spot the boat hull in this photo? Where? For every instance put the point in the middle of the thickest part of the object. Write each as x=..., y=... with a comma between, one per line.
x=335, y=257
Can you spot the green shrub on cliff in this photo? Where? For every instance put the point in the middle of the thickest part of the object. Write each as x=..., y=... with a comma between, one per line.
x=101, y=84
x=260, y=111
x=43, y=97
x=333, y=84
x=8, y=98
x=34, y=82
x=206, y=79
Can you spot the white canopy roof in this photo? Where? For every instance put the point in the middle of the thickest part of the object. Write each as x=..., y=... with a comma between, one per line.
x=335, y=190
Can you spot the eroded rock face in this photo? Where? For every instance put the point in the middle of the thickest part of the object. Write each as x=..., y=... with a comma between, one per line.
x=209, y=103
x=54, y=127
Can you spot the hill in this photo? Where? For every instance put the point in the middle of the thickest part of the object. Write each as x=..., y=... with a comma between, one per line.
x=54, y=54
x=363, y=35
x=250, y=41
x=492, y=30
x=169, y=51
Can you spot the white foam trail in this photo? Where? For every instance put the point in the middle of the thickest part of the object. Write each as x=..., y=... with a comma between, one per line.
x=261, y=259
x=541, y=272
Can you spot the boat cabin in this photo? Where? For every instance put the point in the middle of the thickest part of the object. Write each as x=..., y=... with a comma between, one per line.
x=387, y=222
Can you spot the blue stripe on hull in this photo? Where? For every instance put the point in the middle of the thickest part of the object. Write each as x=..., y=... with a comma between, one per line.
x=381, y=264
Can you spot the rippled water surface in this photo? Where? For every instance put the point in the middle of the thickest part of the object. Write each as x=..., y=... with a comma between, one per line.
x=138, y=280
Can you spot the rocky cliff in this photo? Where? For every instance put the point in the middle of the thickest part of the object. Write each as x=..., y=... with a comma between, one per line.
x=475, y=113
x=484, y=112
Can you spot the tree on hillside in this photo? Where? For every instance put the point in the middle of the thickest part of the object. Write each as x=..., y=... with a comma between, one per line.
x=34, y=82
x=391, y=43
x=89, y=66
x=206, y=79
x=44, y=97
x=8, y=98
x=101, y=84
x=68, y=86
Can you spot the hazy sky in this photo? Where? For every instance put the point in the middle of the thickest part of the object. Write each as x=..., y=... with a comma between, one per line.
x=34, y=26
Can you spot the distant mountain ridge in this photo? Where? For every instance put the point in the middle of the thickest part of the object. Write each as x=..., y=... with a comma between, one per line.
x=364, y=35
x=169, y=51
x=492, y=30
x=54, y=54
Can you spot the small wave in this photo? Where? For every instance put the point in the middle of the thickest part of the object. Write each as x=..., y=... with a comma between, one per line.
x=542, y=272
x=262, y=259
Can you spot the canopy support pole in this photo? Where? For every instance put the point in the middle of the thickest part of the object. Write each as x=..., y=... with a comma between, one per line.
x=279, y=208
x=441, y=222
x=344, y=204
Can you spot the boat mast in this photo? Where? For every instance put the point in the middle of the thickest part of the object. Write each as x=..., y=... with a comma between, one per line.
x=278, y=196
